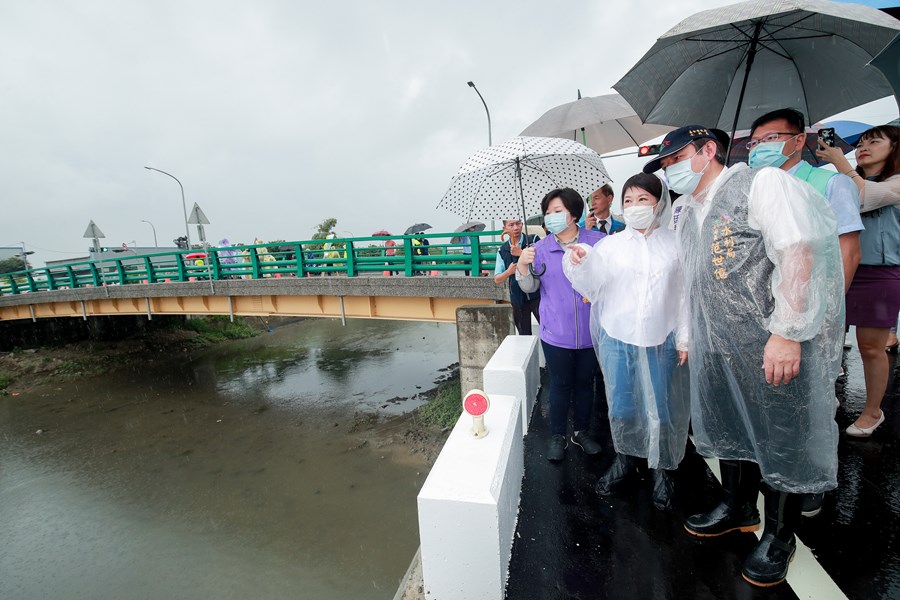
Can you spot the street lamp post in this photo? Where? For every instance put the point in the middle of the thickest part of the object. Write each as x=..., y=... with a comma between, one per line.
x=472, y=85
x=187, y=232
x=155, y=243
x=25, y=256
x=490, y=143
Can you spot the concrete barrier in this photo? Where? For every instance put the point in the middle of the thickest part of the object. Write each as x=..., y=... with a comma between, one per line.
x=468, y=507
x=513, y=370
x=480, y=330
x=469, y=503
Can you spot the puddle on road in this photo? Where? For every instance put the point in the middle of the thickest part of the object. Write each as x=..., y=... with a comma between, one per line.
x=235, y=475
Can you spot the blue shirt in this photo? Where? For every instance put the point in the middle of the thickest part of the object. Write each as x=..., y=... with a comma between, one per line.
x=499, y=266
x=880, y=242
x=843, y=196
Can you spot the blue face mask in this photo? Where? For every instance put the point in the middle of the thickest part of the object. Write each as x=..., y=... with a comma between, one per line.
x=767, y=154
x=681, y=177
x=556, y=222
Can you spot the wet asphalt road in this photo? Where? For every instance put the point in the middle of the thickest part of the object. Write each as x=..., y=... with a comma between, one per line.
x=572, y=545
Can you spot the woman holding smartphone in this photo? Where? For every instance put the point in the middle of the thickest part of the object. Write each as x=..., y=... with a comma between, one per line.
x=874, y=296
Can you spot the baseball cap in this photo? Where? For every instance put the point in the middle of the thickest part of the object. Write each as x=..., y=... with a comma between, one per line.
x=679, y=138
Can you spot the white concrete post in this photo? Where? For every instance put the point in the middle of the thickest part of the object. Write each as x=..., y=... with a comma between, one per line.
x=513, y=370
x=468, y=507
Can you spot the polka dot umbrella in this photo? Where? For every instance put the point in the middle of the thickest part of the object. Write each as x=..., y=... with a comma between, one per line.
x=510, y=179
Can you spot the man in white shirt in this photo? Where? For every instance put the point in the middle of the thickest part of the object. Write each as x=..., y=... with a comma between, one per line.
x=763, y=274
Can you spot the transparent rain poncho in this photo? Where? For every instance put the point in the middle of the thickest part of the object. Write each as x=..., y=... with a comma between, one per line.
x=638, y=322
x=760, y=256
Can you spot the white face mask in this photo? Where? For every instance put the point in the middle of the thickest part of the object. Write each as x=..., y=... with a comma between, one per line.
x=639, y=217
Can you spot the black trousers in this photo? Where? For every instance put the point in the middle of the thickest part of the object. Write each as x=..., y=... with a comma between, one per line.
x=522, y=315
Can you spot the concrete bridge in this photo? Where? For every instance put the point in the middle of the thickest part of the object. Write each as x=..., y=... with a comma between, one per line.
x=413, y=298
x=478, y=306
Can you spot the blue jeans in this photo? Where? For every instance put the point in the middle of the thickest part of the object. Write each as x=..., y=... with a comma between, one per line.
x=571, y=380
x=620, y=366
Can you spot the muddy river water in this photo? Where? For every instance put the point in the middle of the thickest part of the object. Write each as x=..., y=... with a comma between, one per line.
x=235, y=472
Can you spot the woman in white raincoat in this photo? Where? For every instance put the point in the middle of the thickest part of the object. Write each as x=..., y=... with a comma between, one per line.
x=639, y=324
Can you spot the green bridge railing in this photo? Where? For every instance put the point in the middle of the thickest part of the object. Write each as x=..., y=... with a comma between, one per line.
x=339, y=256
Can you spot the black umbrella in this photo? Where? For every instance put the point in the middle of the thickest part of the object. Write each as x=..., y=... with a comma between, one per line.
x=888, y=62
x=724, y=67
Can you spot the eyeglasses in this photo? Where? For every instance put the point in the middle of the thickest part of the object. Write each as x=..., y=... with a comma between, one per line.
x=771, y=137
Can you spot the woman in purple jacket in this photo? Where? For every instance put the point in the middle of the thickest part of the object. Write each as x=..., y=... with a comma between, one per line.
x=565, y=321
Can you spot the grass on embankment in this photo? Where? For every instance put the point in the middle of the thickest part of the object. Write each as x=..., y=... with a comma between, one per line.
x=25, y=368
x=444, y=408
x=5, y=380
x=218, y=328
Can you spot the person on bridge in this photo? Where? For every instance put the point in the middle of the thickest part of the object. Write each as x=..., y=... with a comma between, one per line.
x=762, y=267
x=523, y=305
x=639, y=324
x=390, y=250
x=420, y=248
x=565, y=321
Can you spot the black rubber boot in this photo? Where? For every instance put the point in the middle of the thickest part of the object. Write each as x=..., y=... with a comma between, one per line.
x=768, y=563
x=737, y=511
x=663, y=489
x=617, y=474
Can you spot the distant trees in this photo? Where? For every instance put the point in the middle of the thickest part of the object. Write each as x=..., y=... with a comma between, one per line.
x=323, y=231
x=13, y=264
x=325, y=228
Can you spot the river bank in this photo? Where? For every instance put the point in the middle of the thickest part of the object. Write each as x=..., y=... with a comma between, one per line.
x=420, y=432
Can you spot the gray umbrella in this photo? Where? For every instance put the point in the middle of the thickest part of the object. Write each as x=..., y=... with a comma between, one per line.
x=471, y=226
x=417, y=228
x=727, y=66
x=510, y=179
x=603, y=123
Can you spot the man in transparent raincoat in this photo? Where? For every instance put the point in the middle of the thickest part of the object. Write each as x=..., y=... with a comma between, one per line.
x=763, y=275
x=639, y=327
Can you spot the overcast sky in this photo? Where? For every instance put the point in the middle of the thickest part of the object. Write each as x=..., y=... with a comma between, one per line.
x=276, y=115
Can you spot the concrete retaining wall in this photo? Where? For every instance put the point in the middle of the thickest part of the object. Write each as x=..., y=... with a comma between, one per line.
x=480, y=330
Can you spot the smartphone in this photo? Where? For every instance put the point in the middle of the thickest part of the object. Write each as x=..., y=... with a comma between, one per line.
x=827, y=136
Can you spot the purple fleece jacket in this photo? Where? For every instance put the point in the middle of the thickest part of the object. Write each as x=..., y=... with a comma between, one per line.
x=565, y=314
